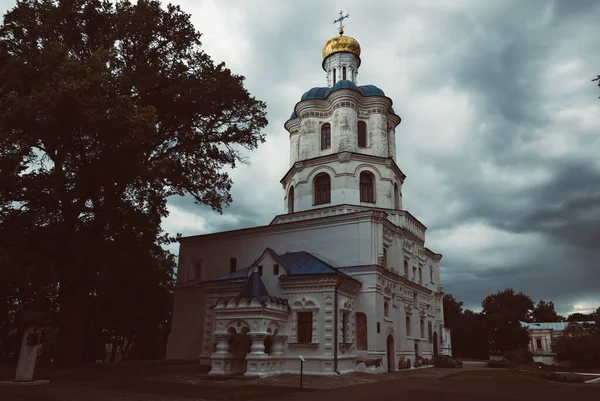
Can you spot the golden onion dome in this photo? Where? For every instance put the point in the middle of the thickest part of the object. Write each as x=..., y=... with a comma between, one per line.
x=341, y=44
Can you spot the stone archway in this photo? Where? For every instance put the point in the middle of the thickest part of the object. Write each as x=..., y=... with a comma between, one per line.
x=239, y=347
x=391, y=354
x=435, y=344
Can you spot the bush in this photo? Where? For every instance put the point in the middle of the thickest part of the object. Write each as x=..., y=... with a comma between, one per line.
x=443, y=361
x=565, y=378
x=519, y=357
x=583, y=350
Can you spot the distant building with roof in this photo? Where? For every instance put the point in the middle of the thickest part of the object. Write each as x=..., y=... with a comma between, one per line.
x=542, y=334
x=343, y=278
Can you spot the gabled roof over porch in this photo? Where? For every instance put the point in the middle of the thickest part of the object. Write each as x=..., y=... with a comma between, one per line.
x=294, y=263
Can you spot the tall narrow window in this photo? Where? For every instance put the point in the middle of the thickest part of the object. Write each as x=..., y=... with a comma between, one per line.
x=385, y=261
x=362, y=134
x=344, y=73
x=422, y=328
x=197, y=270
x=386, y=309
x=408, y=330
x=406, y=268
x=322, y=188
x=420, y=276
x=366, y=187
x=291, y=200
x=334, y=76
x=396, y=197
x=361, y=331
x=232, y=265
x=260, y=270
x=345, y=338
x=431, y=274
x=325, y=136
x=276, y=269
x=305, y=321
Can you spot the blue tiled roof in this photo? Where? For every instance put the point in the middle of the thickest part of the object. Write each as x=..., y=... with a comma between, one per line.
x=304, y=263
x=239, y=274
x=294, y=263
x=322, y=93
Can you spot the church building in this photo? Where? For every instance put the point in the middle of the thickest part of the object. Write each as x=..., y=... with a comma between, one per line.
x=343, y=279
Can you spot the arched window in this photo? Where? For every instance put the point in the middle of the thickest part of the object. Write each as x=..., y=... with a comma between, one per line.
x=406, y=268
x=366, y=187
x=386, y=309
x=362, y=134
x=325, y=136
x=232, y=265
x=322, y=189
x=396, y=197
x=291, y=200
x=422, y=328
x=344, y=73
x=361, y=331
x=334, y=76
x=408, y=331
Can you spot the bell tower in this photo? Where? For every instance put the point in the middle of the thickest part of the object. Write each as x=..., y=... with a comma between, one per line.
x=342, y=139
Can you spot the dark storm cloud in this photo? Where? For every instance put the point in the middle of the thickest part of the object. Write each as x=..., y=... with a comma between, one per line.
x=517, y=160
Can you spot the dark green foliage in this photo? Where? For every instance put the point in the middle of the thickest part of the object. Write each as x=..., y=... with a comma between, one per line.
x=519, y=357
x=469, y=336
x=503, y=312
x=581, y=350
x=106, y=110
x=545, y=312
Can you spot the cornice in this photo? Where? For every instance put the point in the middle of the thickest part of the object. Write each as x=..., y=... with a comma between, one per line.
x=282, y=227
x=328, y=105
x=436, y=257
x=345, y=157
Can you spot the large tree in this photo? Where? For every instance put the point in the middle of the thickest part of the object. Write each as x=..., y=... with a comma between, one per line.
x=106, y=110
x=503, y=312
x=545, y=312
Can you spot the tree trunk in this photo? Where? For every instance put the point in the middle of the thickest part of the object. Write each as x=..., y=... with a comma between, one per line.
x=73, y=308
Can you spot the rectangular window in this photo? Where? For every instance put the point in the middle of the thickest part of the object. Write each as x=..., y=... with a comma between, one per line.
x=378, y=327
x=414, y=274
x=431, y=275
x=260, y=270
x=325, y=136
x=275, y=269
x=305, y=321
x=197, y=270
x=538, y=343
x=334, y=76
x=322, y=193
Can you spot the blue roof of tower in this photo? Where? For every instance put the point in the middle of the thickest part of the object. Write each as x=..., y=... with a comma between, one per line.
x=323, y=92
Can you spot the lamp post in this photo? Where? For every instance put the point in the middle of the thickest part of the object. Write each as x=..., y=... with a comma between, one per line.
x=301, y=368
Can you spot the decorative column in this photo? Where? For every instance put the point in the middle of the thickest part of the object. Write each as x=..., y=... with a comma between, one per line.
x=258, y=343
x=221, y=360
x=277, y=345
x=257, y=363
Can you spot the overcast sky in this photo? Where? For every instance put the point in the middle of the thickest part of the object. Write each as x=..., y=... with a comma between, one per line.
x=500, y=131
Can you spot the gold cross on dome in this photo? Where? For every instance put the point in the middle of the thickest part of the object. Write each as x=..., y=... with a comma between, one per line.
x=342, y=17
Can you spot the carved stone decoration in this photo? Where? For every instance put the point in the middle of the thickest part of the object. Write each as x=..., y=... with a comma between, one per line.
x=408, y=308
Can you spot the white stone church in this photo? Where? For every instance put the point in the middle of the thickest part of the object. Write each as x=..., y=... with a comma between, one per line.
x=343, y=278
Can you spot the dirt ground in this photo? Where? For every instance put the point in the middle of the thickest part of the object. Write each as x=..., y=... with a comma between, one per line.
x=178, y=381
